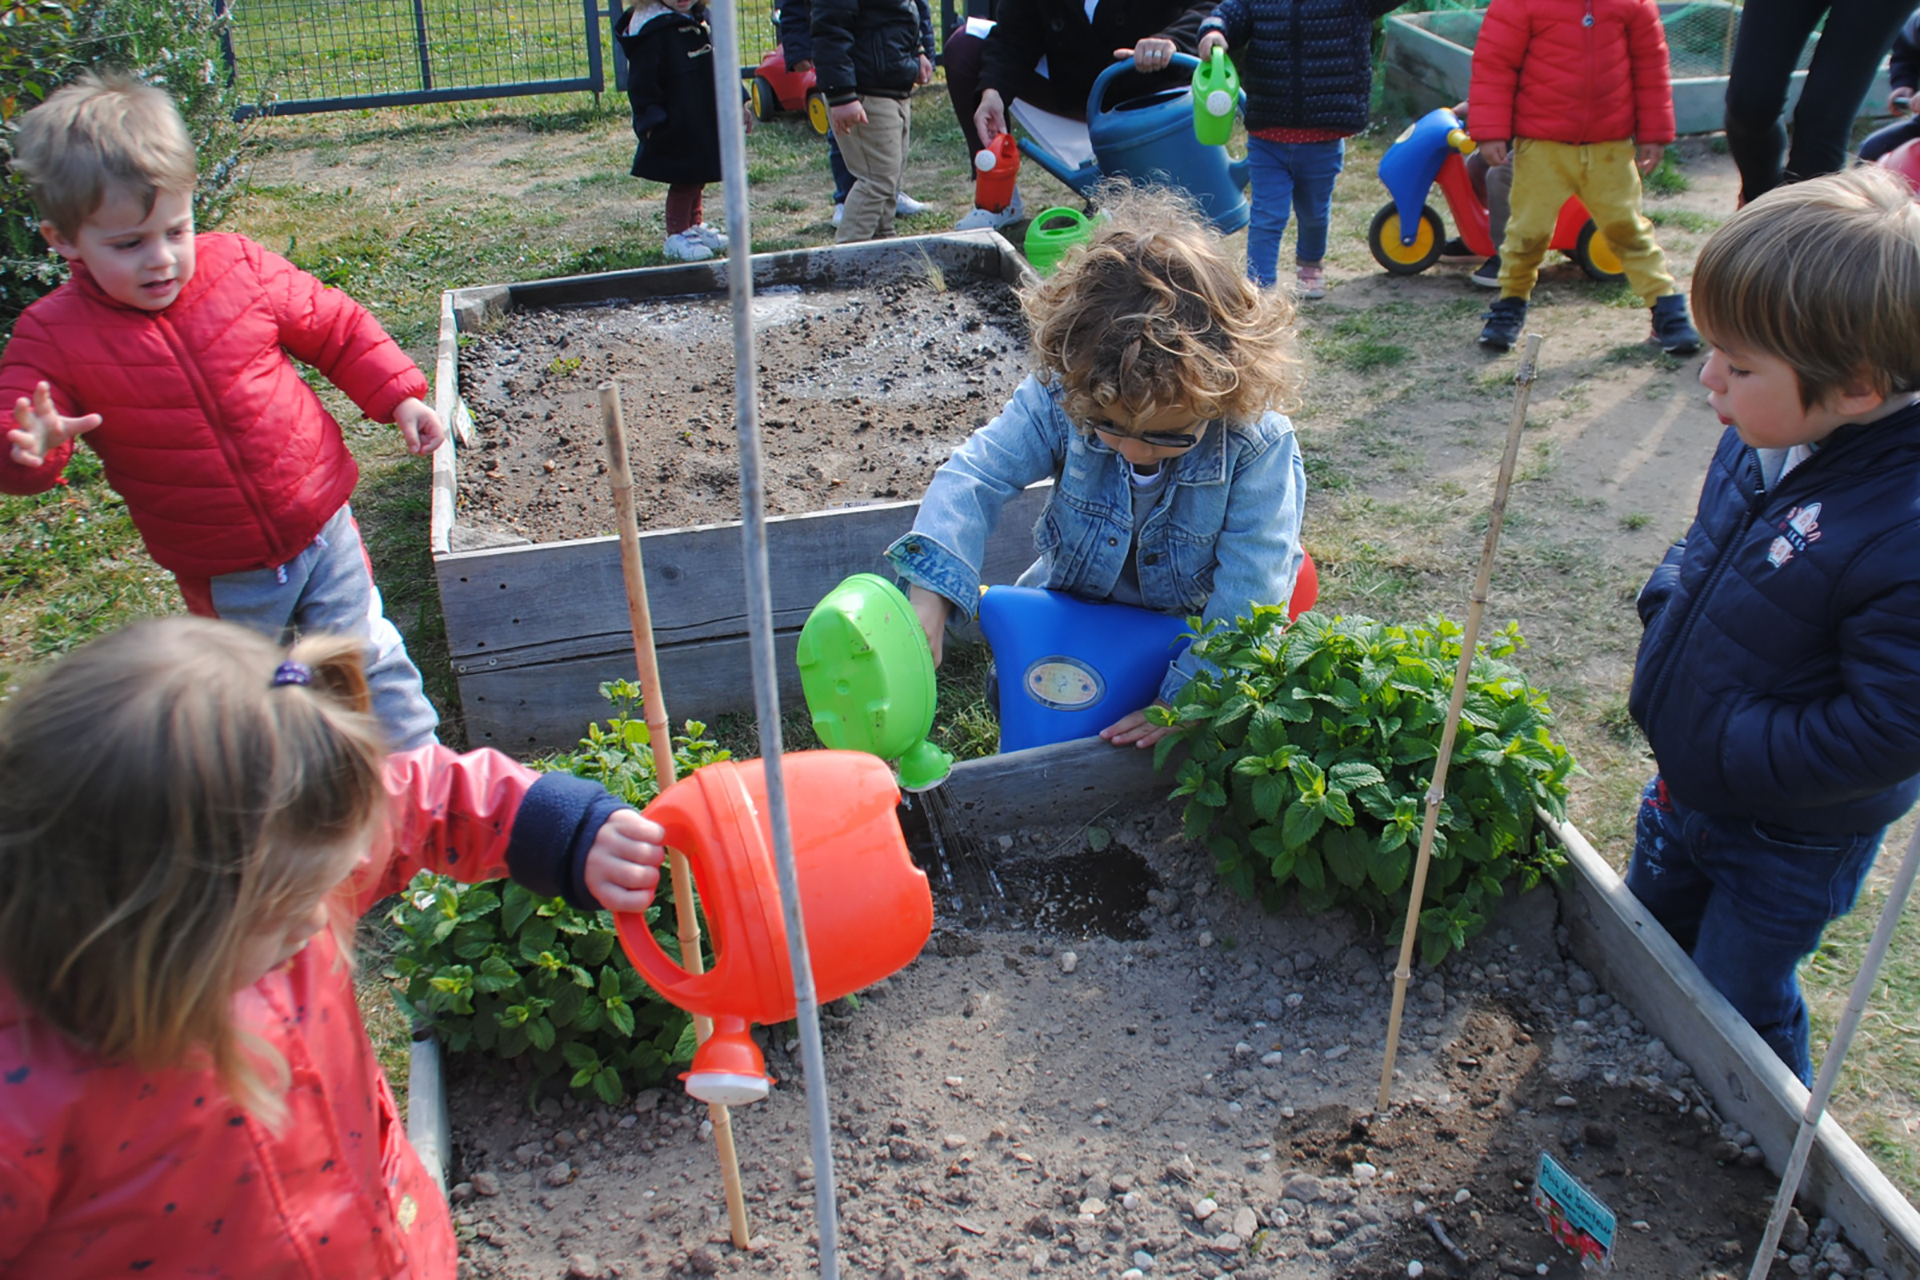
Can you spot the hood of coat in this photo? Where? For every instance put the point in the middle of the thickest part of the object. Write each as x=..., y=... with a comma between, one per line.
x=653, y=11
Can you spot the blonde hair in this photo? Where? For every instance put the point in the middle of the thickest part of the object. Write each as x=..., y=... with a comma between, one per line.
x=162, y=804
x=1824, y=275
x=100, y=132
x=1150, y=314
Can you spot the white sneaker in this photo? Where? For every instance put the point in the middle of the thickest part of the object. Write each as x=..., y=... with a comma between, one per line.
x=707, y=236
x=905, y=206
x=684, y=247
x=986, y=219
x=839, y=211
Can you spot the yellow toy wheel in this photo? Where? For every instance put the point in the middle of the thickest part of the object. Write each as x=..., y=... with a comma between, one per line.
x=817, y=112
x=1384, y=240
x=1597, y=256
x=765, y=102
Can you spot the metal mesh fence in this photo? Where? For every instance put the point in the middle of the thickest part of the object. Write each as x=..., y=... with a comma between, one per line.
x=1699, y=35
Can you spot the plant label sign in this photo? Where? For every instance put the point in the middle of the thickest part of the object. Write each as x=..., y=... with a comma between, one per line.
x=1575, y=1216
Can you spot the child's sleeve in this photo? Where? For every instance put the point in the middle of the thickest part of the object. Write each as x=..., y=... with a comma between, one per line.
x=1497, y=55
x=480, y=816
x=1233, y=19
x=928, y=45
x=30, y=357
x=796, y=31
x=1652, y=76
x=833, y=27
x=323, y=327
x=948, y=543
x=1258, y=551
x=1661, y=584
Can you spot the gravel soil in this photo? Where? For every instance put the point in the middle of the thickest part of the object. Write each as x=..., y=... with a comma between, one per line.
x=863, y=393
x=1181, y=1089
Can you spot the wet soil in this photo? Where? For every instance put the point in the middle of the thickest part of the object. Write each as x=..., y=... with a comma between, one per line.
x=1186, y=1088
x=863, y=393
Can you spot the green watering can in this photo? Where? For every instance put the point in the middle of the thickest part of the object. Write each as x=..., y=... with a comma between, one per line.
x=1051, y=234
x=867, y=674
x=1216, y=96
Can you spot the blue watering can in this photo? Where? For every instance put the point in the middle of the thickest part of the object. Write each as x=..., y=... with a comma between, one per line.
x=1150, y=140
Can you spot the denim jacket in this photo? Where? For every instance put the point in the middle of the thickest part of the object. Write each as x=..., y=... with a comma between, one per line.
x=1225, y=534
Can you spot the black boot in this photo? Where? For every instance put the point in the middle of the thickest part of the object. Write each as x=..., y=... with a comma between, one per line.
x=1672, y=327
x=1505, y=319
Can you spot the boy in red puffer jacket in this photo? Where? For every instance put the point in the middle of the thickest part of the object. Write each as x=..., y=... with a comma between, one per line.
x=169, y=352
x=1581, y=90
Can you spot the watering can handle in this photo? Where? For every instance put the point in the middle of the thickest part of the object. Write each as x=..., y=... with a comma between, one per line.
x=1096, y=98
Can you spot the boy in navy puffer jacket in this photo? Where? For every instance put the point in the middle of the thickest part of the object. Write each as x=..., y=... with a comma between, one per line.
x=1307, y=66
x=1779, y=677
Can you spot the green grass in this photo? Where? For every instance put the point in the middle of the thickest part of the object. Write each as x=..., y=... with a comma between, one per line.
x=1666, y=179
x=1684, y=219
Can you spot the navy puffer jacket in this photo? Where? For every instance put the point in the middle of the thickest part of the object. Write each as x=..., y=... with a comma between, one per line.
x=1779, y=675
x=1305, y=64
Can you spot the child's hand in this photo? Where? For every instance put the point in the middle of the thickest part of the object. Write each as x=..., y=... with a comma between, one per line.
x=623, y=864
x=847, y=116
x=930, y=607
x=926, y=70
x=1136, y=730
x=40, y=428
x=419, y=424
x=1648, y=155
x=1211, y=41
x=1494, y=150
x=801, y=67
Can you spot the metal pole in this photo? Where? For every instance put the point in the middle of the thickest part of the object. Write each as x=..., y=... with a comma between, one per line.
x=1897, y=894
x=766, y=679
x=1469, y=640
x=420, y=37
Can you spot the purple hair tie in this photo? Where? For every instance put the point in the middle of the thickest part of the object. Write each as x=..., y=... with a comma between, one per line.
x=291, y=672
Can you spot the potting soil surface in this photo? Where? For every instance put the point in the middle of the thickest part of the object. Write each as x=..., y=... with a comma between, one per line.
x=1185, y=1088
x=863, y=393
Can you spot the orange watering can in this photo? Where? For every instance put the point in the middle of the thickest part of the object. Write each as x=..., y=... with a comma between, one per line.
x=867, y=908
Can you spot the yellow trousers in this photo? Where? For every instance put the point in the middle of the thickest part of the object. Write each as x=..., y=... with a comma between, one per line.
x=1603, y=175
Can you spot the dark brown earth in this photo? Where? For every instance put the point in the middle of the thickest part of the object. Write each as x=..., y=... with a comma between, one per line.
x=863, y=393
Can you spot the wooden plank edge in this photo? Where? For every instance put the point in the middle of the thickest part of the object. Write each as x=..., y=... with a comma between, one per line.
x=427, y=1126
x=446, y=394
x=1617, y=938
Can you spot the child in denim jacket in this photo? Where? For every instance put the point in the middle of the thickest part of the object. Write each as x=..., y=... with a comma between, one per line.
x=1779, y=677
x=1177, y=483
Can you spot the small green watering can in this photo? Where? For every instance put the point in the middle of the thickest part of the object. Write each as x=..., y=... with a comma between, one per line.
x=1051, y=233
x=1216, y=96
x=867, y=674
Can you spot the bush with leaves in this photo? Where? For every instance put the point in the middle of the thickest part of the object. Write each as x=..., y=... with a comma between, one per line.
x=178, y=45
x=1309, y=754
x=499, y=970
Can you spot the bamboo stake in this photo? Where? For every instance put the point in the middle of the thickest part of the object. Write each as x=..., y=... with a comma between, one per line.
x=1436, y=792
x=660, y=736
x=1897, y=894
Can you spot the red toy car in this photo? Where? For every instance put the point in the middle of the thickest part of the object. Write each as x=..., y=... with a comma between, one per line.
x=776, y=89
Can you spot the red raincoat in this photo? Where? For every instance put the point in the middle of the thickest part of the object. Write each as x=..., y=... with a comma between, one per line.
x=1572, y=71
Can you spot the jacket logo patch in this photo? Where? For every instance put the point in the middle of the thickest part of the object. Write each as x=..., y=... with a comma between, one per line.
x=1800, y=530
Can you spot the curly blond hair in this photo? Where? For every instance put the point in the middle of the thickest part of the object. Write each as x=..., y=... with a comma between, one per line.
x=1150, y=314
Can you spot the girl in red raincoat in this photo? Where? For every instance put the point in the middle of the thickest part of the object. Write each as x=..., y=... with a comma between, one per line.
x=190, y=823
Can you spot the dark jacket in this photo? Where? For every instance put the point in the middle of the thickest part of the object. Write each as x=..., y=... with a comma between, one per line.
x=796, y=31
x=1903, y=61
x=869, y=48
x=1076, y=50
x=1305, y=64
x=1779, y=676
x=670, y=84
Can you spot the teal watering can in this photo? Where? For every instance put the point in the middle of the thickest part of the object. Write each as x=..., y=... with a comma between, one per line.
x=1150, y=140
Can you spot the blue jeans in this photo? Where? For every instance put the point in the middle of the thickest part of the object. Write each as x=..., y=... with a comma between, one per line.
x=1748, y=901
x=842, y=176
x=1290, y=178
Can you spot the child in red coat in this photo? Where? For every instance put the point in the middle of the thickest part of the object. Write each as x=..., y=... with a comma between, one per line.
x=1579, y=91
x=190, y=824
x=169, y=352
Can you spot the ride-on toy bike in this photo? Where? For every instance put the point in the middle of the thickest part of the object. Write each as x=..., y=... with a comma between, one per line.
x=774, y=89
x=1407, y=236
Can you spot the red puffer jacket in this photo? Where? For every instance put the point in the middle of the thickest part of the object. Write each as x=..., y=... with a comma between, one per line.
x=1571, y=71
x=226, y=457
x=107, y=1170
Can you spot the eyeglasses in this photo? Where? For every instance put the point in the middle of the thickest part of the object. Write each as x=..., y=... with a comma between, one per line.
x=1158, y=439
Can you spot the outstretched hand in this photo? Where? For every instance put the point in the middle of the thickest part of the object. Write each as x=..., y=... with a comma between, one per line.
x=419, y=424
x=623, y=863
x=1136, y=730
x=39, y=428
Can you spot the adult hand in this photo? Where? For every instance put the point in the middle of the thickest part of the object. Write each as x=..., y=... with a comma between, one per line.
x=801, y=67
x=419, y=424
x=848, y=115
x=930, y=609
x=1209, y=42
x=1494, y=152
x=1136, y=730
x=1151, y=54
x=623, y=863
x=990, y=117
x=39, y=428
x=926, y=70
x=1648, y=155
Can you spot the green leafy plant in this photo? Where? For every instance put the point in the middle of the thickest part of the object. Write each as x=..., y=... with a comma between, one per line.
x=1309, y=753
x=499, y=970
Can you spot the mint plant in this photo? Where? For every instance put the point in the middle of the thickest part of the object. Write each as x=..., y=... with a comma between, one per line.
x=1309, y=753
x=498, y=970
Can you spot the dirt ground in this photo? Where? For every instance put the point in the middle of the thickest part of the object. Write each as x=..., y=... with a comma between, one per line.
x=1180, y=1089
x=864, y=392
